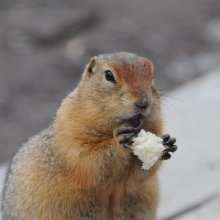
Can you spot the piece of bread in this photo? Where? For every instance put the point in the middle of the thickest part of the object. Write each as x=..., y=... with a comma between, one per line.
x=148, y=147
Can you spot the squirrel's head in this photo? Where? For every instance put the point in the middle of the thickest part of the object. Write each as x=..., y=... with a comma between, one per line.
x=118, y=88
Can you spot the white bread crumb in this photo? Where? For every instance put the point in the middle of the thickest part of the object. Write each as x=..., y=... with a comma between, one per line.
x=148, y=147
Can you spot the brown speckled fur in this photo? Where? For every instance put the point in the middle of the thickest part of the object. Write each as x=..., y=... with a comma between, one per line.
x=75, y=169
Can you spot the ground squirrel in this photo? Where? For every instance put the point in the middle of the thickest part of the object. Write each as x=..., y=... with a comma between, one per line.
x=81, y=167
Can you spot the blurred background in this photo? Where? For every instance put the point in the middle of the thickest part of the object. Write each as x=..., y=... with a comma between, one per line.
x=45, y=45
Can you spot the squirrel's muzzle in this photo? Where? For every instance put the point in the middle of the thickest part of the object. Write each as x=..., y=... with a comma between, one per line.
x=142, y=103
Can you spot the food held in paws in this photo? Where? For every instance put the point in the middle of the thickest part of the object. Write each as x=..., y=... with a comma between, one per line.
x=148, y=147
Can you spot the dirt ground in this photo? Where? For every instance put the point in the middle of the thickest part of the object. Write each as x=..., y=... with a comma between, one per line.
x=45, y=45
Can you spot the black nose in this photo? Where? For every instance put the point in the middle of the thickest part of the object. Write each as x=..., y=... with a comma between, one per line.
x=142, y=104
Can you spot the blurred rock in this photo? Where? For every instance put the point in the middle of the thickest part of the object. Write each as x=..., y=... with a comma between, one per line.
x=184, y=69
x=42, y=21
x=212, y=31
x=17, y=41
x=45, y=25
x=75, y=48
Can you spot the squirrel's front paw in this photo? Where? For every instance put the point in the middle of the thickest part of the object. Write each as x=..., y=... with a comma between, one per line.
x=124, y=134
x=171, y=147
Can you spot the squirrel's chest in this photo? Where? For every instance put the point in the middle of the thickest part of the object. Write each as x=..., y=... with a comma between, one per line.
x=127, y=199
x=116, y=205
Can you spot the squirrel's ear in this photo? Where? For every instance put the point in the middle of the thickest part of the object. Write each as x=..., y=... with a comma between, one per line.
x=89, y=68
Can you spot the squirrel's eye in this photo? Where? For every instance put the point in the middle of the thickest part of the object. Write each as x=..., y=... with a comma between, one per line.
x=109, y=76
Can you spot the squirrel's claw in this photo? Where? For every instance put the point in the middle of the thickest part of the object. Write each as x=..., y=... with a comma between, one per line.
x=168, y=141
x=166, y=137
x=166, y=156
x=124, y=135
x=126, y=144
x=171, y=149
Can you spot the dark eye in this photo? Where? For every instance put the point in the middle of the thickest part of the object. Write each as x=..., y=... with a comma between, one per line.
x=109, y=76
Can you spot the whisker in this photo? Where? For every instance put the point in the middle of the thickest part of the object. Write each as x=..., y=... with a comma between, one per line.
x=164, y=100
x=169, y=96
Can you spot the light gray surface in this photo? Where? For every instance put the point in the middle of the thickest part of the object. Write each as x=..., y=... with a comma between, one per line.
x=210, y=211
x=3, y=168
x=192, y=174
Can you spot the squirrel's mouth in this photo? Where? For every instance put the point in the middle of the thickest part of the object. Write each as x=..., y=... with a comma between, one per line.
x=135, y=120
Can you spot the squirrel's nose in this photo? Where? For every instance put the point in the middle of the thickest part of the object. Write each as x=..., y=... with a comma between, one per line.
x=143, y=103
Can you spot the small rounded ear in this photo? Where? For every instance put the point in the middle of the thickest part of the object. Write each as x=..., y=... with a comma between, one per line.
x=152, y=69
x=89, y=68
x=148, y=64
x=152, y=66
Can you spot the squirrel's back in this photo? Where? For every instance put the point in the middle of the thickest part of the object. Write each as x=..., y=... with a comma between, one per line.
x=37, y=153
